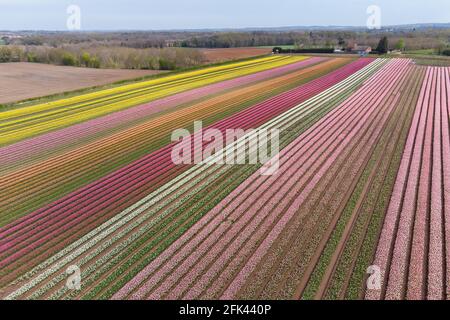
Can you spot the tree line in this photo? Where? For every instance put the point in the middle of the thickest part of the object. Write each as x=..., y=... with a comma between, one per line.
x=438, y=40
x=104, y=56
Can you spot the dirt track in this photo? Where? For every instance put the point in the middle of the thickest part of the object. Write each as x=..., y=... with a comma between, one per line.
x=20, y=81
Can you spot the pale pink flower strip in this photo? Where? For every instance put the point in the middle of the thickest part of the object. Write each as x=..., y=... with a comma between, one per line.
x=389, y=228
x=417, y=278
x=436, y=258
x=421, y=160
x=446, y=176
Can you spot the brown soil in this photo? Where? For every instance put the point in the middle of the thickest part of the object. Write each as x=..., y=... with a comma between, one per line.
x=22, y=80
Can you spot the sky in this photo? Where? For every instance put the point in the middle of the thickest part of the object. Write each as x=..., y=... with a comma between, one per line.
x=199, y=14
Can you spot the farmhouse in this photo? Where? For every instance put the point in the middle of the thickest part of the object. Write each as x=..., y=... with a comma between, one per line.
x=361, y=50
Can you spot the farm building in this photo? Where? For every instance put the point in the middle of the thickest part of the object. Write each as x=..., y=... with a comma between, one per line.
x=361, y=50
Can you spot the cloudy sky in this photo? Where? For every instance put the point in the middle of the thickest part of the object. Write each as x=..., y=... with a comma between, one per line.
x=192, y=14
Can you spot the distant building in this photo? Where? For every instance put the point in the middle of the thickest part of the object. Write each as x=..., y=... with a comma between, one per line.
x=7, y=38
x=361, y=50
x=171, y=43
x=3, y=40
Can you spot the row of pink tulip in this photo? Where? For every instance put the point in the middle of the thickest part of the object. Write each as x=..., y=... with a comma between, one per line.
x=411, y=253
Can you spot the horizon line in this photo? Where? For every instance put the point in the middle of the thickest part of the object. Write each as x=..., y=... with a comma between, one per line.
x=212, y=29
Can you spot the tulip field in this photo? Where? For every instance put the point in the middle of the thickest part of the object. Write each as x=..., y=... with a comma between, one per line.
x=362, y=186
x=413, y=247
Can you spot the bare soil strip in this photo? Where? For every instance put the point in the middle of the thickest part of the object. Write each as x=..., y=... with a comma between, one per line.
x=22, y=80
